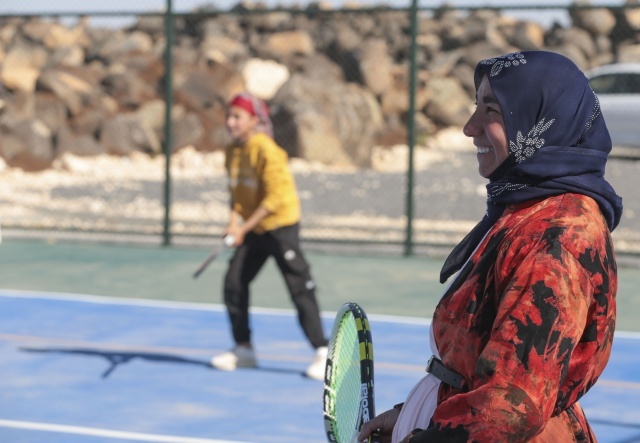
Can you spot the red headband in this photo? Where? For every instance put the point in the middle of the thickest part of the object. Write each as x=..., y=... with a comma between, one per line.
x=244, y=103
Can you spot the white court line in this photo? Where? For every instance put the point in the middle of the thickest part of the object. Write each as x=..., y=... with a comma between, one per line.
x=100, y=299
x=106, y=433
x=167, y=304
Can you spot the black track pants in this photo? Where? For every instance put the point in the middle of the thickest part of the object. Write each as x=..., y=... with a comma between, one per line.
x=283, y=245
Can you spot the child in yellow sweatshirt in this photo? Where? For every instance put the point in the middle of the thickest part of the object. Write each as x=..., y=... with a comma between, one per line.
x=264, y=222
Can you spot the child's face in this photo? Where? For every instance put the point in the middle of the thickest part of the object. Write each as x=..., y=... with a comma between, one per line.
x=240, y=124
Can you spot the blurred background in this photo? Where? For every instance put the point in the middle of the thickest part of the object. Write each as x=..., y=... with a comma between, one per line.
x=112, y=185
x=107, y=136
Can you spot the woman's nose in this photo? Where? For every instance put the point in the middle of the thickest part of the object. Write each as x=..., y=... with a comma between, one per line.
x=470, y=128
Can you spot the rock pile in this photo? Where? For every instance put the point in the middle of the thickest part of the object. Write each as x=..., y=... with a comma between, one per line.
x=336, y=81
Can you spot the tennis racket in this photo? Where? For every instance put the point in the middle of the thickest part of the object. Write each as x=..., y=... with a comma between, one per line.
x=348, y=380
x=227, y=242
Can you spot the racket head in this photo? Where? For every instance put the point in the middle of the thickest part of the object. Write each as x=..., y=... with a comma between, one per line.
x=348, y=387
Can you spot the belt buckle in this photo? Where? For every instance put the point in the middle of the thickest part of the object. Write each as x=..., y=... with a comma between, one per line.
x=430, y=363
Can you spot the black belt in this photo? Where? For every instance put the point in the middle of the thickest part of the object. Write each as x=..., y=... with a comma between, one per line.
x=440, y=371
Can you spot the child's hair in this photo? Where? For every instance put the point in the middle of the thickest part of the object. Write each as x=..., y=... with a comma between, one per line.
x=257, y=107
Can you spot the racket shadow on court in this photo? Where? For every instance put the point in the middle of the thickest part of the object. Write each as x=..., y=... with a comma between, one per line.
x=119, y=358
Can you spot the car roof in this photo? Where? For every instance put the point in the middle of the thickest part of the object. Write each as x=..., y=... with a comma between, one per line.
x=614, y=68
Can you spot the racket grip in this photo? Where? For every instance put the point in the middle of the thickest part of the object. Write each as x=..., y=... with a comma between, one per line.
x=228, y=240
x=375, y=438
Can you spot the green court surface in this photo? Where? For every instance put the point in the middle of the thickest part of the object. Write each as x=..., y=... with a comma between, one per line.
x=385, y=285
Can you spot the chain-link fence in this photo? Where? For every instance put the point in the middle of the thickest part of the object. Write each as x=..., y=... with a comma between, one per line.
x=369, y=103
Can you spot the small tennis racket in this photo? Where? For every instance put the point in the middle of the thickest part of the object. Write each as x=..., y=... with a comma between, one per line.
x=348, y=380
x=227, y=242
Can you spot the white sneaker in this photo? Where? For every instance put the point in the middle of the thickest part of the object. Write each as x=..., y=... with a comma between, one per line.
x=317, y=368
x=238, y=357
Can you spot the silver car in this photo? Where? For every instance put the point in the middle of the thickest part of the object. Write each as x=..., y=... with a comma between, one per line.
x=618, y=88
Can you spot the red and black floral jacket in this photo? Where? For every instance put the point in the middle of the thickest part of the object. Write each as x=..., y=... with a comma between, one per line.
x=529, y=324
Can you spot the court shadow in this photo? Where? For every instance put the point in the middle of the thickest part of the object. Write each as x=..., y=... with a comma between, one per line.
x=118, y=358
x=276, y=370
x=115, y=358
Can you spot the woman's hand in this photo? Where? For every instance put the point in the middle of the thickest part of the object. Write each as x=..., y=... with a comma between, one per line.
x=384, y=423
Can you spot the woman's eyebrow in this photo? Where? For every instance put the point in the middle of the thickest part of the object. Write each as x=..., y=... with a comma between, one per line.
x=490, y=99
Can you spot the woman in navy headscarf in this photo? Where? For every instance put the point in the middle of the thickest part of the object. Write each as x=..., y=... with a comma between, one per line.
x=525, y=327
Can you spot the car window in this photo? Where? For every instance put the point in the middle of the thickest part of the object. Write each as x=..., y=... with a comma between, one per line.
x=624, y=83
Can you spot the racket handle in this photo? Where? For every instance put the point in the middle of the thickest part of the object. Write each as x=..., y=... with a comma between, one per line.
x=375, y=438
x=228, y=240
x=227, y=243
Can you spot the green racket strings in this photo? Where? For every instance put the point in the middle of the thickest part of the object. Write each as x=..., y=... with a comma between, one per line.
x=345, y=385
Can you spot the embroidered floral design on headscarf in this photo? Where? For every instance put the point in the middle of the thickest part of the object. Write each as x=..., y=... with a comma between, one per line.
x=594, y=115
x=525, y=147
x=494, y=190
x=506, y=61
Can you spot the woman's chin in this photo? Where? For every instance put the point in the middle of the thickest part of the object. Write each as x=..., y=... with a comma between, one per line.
x=485, y=168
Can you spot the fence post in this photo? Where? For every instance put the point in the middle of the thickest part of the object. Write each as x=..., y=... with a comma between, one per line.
x=168, y=101
x=411, y=136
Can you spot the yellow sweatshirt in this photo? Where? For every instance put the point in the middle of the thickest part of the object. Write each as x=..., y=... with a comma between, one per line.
x=259, y=175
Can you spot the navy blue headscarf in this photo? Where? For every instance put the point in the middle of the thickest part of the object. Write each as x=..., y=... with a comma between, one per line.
x=558, y=140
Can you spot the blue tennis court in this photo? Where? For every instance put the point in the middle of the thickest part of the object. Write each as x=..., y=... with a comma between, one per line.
x=79, y=369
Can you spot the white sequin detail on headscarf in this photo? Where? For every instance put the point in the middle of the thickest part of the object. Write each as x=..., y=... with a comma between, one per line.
x=525, y=147
x=506, y=61
x=594, y=114
x=503, y=187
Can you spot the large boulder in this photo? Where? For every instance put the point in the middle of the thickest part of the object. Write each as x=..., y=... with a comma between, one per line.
x=375, y=65
x=599, y=21
x=26, y=144
x=21, y=67
x=282, y=45
x=338, y=83
x=50, y=111
x=70, y=89
x=124, y=134
x=79, y=144
x=449, y=102
x=263, y=78
x=329, y=122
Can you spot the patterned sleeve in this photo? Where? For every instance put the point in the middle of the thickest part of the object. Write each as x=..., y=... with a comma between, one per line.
x=534, y=342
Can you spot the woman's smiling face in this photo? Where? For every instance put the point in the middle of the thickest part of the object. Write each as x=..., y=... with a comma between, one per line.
x=486, y=126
